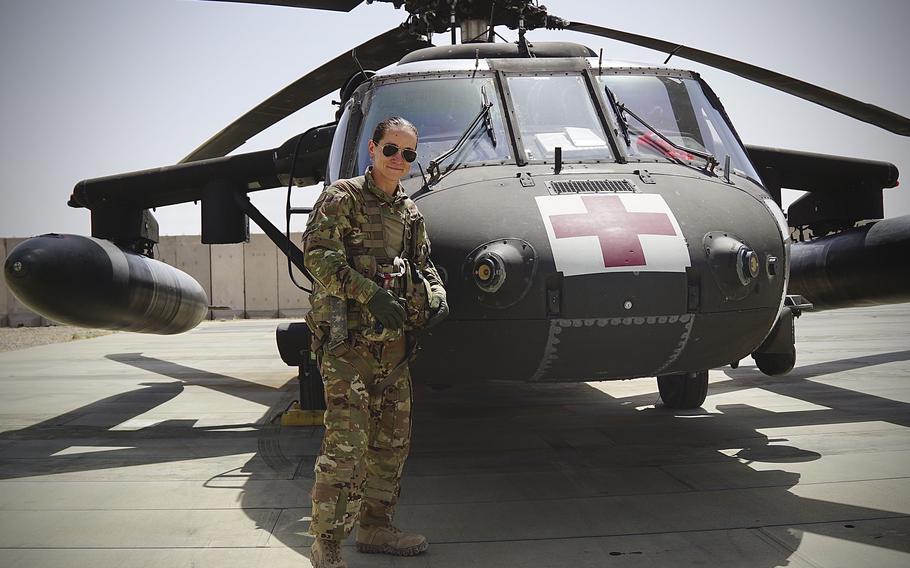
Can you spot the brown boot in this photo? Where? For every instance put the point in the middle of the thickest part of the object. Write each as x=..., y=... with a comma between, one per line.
x=326, y=554
x=390, y=540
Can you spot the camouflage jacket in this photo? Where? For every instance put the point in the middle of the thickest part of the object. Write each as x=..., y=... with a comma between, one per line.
x=346, y=240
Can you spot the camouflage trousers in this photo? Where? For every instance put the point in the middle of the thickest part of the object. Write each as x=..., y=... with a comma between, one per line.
x=367, y=436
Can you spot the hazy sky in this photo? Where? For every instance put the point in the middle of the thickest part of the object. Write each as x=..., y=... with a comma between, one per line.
x=97, y=87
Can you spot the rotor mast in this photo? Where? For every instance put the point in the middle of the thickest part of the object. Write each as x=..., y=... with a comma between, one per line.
x=475, y=31
x=476, y=18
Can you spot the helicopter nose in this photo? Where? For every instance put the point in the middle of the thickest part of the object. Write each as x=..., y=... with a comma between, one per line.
x=609, y=284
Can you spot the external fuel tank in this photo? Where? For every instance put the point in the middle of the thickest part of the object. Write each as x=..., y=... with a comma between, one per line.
x=90, y=282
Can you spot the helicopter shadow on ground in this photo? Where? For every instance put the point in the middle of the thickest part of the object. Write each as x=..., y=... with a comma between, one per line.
x=175, y=449
x=520, y=472
x=532, y=472
x=96, y=424
x=36, y=450
x=504, y=452
x=854, y=406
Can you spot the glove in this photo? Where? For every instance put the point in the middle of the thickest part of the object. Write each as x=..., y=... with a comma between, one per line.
x=386, y=309
x=441, y=313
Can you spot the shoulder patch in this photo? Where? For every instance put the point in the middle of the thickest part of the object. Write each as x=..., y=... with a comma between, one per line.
x=335, y=196
x=347, y=189
x=351, y=185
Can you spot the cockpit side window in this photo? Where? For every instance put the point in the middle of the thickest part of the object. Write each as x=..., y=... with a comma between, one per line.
x=441, y=109
x=557, y=111
x=679, y=109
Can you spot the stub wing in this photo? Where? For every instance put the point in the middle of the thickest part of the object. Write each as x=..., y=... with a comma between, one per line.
x=847, y=254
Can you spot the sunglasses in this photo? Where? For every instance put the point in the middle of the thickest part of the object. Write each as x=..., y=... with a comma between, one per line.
x=389, y=150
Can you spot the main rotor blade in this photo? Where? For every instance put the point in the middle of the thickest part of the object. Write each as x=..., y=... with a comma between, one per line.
x=375, y=53
x=335, y=5
x=835, y=101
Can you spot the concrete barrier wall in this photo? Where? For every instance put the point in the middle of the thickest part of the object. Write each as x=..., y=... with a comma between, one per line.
x=292, y=301
x=4, y=303
x=248, y=280
x=260, y=272
x=228, y=296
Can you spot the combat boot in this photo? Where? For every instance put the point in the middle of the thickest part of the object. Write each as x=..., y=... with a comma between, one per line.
x=326, y=553
x=390, y=540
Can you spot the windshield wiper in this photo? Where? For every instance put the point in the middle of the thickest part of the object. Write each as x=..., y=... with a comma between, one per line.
x=710, y=161
x=488, y=116
x=484, y=116
x=623, y=124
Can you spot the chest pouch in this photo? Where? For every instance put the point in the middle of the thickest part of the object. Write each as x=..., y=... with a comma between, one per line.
x=418, y=298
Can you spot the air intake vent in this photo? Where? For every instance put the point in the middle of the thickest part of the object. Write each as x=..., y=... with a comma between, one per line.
x=591, y=186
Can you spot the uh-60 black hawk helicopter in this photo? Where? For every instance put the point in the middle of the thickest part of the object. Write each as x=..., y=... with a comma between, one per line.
x=593, y=220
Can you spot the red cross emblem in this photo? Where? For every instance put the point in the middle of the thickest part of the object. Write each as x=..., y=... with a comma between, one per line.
x=616, y=228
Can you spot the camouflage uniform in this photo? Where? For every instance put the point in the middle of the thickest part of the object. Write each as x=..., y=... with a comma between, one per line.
x=354, y=229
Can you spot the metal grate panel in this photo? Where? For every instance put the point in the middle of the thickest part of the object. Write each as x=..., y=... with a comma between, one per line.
x=591, y=186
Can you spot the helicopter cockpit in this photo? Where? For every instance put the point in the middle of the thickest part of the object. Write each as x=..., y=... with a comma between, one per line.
x=681, y=108
x=556, y=110
x=441, y=108
x=542, y=110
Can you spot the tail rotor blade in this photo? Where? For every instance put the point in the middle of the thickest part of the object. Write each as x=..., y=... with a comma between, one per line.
x=835, y=101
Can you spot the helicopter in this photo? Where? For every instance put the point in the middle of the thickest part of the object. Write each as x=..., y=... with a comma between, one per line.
x=592, y=219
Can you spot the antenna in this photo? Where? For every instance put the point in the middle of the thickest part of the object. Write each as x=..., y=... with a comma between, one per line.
x=357, y=61
x=452, y=19
x=672, y=53
x=491, y=36
x=523, y=46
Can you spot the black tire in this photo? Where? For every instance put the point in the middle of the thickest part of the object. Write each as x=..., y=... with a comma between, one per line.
x=775, y=364
x=312, y=390
x=683, y=391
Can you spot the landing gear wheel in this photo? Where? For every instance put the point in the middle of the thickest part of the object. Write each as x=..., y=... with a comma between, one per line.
x=683, y=391
x=312, y=390
x=774, y=364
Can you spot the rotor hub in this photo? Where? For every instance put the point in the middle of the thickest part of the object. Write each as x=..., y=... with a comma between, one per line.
x=476, y=16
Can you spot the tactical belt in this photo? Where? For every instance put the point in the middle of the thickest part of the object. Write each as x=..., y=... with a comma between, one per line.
x=349, y=354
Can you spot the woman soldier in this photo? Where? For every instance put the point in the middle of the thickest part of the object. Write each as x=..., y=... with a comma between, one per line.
x=367, y=249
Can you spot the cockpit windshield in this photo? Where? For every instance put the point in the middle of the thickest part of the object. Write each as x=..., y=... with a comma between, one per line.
x=679, y=109
x=441, y=109
x=557, y=111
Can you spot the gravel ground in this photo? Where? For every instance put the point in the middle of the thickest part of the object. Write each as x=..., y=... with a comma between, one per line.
x=12, y=338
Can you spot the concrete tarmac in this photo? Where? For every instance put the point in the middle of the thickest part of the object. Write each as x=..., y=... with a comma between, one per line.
x=155, y=451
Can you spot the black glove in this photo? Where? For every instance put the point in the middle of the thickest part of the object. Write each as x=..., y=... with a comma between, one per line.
x=441, y=313
x=386, y=309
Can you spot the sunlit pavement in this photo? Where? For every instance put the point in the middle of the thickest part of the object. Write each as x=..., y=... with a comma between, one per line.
x=130, y=450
